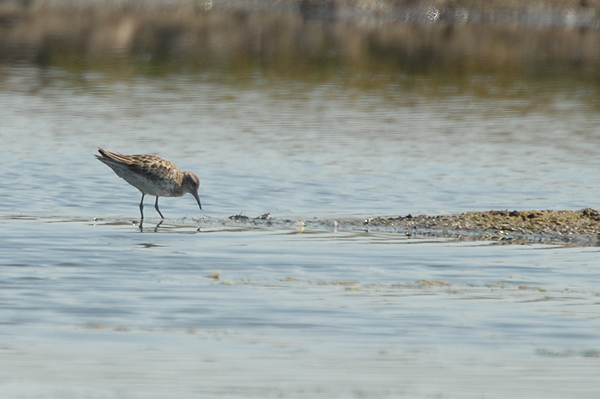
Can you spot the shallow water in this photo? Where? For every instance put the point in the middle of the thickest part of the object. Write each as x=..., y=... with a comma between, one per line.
x=94, y=307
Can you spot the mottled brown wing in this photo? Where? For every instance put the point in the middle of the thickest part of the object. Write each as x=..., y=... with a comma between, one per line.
x=148, y=165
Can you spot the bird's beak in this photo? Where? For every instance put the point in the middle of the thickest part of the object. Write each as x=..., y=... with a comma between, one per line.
x=197, y=199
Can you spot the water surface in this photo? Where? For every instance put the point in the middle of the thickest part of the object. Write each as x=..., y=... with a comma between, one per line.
x=93, y=307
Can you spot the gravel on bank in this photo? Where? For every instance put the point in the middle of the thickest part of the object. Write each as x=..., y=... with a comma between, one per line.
x=581, y=226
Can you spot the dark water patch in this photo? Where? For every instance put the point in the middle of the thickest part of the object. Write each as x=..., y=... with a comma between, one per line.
x=69, y=265
x=149, y=245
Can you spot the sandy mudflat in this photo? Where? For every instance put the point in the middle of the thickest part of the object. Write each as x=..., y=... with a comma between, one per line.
x=545, y=225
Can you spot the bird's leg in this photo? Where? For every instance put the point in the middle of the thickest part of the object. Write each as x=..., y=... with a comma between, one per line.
x=158, y=210
x=142, y=207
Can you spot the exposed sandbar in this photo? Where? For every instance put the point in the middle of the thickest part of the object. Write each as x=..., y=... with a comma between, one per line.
x=545, y=225
x=580, y=227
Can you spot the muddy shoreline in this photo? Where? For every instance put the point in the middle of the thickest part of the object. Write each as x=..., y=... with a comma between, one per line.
x=536, y=225
x=580, y=227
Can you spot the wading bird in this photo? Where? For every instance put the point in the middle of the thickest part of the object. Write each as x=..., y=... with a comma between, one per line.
x=152, y=175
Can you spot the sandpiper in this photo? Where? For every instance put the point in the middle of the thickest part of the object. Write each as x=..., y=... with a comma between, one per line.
x=152, y=175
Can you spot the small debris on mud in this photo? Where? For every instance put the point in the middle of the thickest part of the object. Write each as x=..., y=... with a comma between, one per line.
x=535, y=225
x=580, y=227
x=239, y=218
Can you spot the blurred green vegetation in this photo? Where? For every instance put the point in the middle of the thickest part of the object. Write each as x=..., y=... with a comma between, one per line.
x=368, y=45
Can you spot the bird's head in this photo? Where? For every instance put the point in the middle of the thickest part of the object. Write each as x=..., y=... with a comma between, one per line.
x=191, y=184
